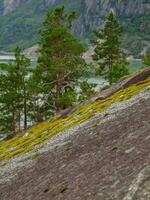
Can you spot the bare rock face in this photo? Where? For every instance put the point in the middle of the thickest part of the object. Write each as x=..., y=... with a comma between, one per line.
x=10, y=5
x=140, y=188
x=97, y=10
x=106, y=160
x=91, y=9
x=7, y=6
x=122, y=84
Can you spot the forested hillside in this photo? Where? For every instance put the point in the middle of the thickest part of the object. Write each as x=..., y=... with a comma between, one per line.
x=20, y=20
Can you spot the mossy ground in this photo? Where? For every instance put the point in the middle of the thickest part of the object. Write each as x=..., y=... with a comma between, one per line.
x=44, y=131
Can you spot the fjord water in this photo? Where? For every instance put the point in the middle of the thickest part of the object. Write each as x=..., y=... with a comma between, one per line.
x=6, y=58
x=134, y=65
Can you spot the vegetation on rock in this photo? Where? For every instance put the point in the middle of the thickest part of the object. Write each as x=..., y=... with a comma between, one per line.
x=36, y=95
x=42, y=132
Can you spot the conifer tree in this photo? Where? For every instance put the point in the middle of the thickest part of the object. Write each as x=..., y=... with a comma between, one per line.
x=8, y=99
x=22, y=66
x=108, y=53
x=13, y=93
x=60, y=62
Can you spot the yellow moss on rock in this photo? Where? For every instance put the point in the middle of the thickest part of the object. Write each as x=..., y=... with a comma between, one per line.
x=35, y=155
x=45, y=130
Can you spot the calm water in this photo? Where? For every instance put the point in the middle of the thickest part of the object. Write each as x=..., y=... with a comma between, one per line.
x=134, y=65
x=8, y=58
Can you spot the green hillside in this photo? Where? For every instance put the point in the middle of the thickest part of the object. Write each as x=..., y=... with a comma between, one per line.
x=21, y=25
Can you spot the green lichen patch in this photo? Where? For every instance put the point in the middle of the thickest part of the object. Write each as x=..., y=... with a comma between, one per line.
x=47, y=129
x=95, y=124
x=34, y=156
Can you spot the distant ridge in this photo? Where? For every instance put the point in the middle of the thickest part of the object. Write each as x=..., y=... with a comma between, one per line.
x=20, y=20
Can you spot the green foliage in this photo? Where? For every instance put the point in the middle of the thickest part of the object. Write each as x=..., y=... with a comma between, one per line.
x=35, y=155
x=87, y=90
x=117, y=71
x=13, y=92
x=147, y=59
x=68, y=99
x=60, y=61
x=108, y=54
x=21, y=26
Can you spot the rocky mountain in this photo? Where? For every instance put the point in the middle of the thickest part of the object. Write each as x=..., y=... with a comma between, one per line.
x=8, y=6
x=98, y=150
x=21, y=19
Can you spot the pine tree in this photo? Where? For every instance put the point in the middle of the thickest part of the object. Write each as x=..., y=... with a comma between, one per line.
x=22, y=66
x=108, y=53
x=60, y=62
x=13, y=93
x=8, y=98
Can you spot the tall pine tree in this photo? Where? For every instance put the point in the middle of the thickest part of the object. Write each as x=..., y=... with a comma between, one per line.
x=108, y=53
x=60, y=62
x=22, y=67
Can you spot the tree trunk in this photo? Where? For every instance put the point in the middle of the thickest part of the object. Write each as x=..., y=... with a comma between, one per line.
x=19, y=121
x=25, y=109
x=13, y=123
x=110, y=66
x=58, y=90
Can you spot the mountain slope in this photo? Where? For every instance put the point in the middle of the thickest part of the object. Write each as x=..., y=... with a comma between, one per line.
x=20, y=19
x=98, y=151
x=102, y=162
